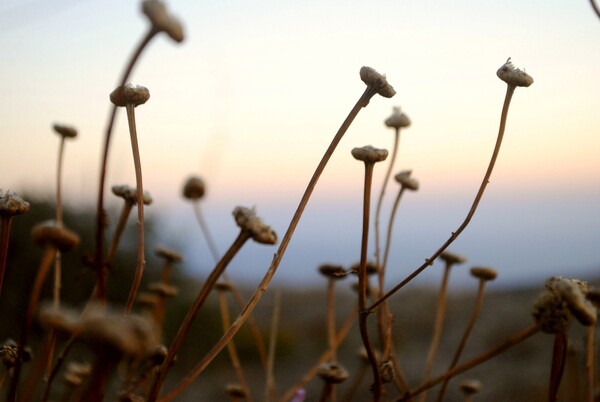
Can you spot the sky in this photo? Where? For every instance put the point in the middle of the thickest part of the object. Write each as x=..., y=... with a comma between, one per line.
x=252, y=97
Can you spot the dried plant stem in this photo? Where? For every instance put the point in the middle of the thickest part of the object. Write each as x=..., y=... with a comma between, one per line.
x=262, y=287
x=34, y=298
x=429, y=261
x=331, y=318
x=139, y=268
x=340, y=337
x=270, y=389
x=206, y=232
x=465, y=336
x=5, y=225
x=99, y=255
x=326, y=393
x=437, y=328
x=59, y=361
x=589, y=361
x=362, y=284
x=595, y=7
x=358, y=379
x=209, y=284
x=231, y=349
x=559, y=357
x=510, y=342
x=125, y=211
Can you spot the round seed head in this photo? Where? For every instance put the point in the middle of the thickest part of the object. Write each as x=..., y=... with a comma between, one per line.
x=405, y=180
x=332, y=373
x=9, y=353
x=162, y=289
x=451, y=258
x=65, y=131
x=129, y=194
x=551, y=312
x=161, y=20
x=484, y=273
x=235, y=390
x=194, y=188
x=168, y=253
x=377, y=81
x=553, y=282
x=581, y=308
x=398, y=119
x=371, y=268
x=470, y=387
x=369, y=154
x=11, y=204
x=246, y=219
x=332, y=271
x=51, y=234
x=514, y=76
x=129, y=94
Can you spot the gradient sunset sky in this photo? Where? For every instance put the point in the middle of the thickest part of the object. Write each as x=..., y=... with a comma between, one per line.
x=255, y=93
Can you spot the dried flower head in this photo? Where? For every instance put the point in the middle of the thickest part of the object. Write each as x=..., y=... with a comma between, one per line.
x=129, y=94
x=514, y=76
x=406, y=181
x=470, y=387
x=332, y=373
x=484, y=273
x=386, y=369
x=451, y=258
x=194, y=188
x=581, y=308
x=369, y=154
x=235, y=390
x=65, y=131
x=129, y=194
x=9, y=353
x=50, y=233
x=168, y=253
x=398, y=119
x=11, y=204
x=161, y=20
x=162, y=289
x=551, y=312
x=332, y=271
x=246, y=219
x=371, y=268
x=157, y=354
x=377, y=81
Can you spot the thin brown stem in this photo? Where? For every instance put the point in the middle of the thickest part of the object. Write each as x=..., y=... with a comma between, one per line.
x=331, y=318
x=206, y=232
x=270, y=389
x=139, y=268
x=125, y=211
x=465, y=336
x=589, y=361
x=559, y=358
x=5, y=225
x=262, y=287
x=362, y=284
x=209, y=284
x=510, y=342
x=59, y=361
x=429, y=261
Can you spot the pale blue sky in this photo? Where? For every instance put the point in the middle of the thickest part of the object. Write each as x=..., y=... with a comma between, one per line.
x=253, y=96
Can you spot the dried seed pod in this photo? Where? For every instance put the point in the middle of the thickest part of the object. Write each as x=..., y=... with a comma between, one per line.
x=246, y=219
x=398, y=119
x=161, y=20
x=194, y=188
x=65, y=131
x=514, y=76
x=49, y=233
x=332, y=271
x=484, y=273
x=369, y=154
x=551, y=312
x=371, y=268
x=11, y=204
x=470, y=387
x=451, y=258
x=129, y=194
x=168, y=254
x=581, y=308
x=332, y=373
x=377, y=81
x=386, y=369
x=405, y=180
x=129, y=94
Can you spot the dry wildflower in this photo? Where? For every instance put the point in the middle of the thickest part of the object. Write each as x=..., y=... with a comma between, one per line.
x=371, y=268
x=581, y=308
x=332, y=271
x=551, y=312
x=49, y=233
x=161, y=20
x=129, y=194
x=168, y=254
x=514, y=76
x=470, y=387
x=162, y=289
x=332, y=373
x=129, y=94
x=246, y=219
x=398, y=119
x=369, y=154
x=484, y=273
x=377, y=81
x=194, y=188
x=451, y=258
x=406, y=181
x=65, y=131
x=11, y=204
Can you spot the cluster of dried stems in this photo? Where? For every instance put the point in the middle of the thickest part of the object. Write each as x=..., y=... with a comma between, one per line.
x=135, y=340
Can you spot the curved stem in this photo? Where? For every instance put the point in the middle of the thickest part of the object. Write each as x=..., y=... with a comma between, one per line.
x=429, y=261
x=595, y=7
x=139, y=268
x=262, y=287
